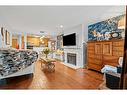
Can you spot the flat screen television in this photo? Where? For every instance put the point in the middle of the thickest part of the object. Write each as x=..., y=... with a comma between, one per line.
x=69, y=40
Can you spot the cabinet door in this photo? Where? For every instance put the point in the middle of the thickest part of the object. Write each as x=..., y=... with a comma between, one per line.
x=107, y=48
x=98, y=48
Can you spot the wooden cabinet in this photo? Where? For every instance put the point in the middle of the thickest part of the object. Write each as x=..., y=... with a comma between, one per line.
x=104, y=53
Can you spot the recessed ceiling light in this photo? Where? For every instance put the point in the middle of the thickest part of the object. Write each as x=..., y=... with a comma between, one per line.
x=61, y=26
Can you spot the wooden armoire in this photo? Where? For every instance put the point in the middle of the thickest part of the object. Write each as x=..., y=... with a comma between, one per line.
x=102, y=53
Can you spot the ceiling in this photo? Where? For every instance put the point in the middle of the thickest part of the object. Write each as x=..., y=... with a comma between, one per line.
x=33, y=19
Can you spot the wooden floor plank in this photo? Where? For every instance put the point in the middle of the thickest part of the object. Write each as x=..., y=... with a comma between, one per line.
x=63, y=78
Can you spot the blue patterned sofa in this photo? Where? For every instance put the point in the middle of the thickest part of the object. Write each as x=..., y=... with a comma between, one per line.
x=16, y=62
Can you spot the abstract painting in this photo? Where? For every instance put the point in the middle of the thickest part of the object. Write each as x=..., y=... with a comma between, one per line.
x=103, y=30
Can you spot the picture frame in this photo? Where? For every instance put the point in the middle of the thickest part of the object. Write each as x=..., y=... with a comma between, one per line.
x=2, y=33
x=7, y=38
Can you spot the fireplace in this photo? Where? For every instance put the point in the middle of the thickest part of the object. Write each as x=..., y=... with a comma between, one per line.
x=71, y=58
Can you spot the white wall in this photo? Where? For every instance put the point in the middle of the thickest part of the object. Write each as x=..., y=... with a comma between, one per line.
x=81, y=31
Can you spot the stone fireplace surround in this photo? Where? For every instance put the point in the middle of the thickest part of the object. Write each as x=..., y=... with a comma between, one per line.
x=78, y=53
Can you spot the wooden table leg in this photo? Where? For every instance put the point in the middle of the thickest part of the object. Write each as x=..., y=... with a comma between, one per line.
x=51, y=67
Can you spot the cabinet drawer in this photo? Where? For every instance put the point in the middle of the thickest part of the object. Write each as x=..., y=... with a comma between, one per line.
x=98, y=62
x=98, y=56
x=94, y=67
x=118, y=49
x=110, y=60
x=90, y=44
x=91, y=60
x=118, y=53
x=91, y=48
x=119, y=43
x=94, y=61
x=91, y=56
x=91, y=51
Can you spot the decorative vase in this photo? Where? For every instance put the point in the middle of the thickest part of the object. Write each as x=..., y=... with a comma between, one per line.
x=123, y=35
x=46, y=55
x=46, y=51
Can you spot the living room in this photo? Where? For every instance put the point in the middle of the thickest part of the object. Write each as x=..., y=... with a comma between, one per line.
x=80, y=47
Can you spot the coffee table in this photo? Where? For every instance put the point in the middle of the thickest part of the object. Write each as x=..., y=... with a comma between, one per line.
x=48, y=64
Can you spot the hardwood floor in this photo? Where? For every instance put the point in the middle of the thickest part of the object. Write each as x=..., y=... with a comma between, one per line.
x=63, y=78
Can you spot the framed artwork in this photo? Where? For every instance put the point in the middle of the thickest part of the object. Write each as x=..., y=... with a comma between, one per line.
x=100, y=31
x=7, y=38
x=2, y=33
